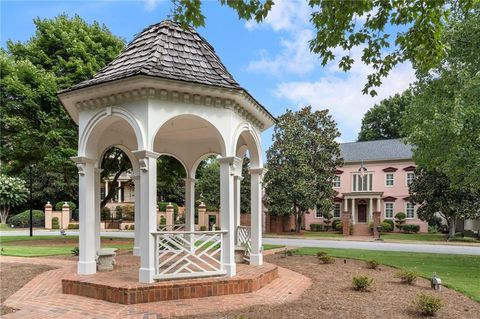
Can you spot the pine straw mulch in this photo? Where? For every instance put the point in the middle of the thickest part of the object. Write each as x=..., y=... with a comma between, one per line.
x=331, y=294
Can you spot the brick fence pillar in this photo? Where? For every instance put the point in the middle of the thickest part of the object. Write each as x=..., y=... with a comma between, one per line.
x=48, y=216
x=376, y=222
x=65, y=216
x=346, y=221
x=202, y=218
x=169, y=211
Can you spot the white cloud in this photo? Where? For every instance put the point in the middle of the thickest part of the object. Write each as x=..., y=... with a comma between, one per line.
x=341, y=93
x=284, y=15
x=150, y=5
x=294, y=58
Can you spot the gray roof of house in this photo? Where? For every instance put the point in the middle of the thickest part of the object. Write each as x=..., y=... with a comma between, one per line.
x=168, y=51
x=375, y=150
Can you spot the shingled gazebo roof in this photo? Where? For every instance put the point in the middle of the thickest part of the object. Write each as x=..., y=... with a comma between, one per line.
x=168, y=51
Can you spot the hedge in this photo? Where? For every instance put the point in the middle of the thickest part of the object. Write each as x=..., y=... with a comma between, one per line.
x=23, y=219
x=316, y=227
x=59, y=205
x=162, y=206
x=411, y=228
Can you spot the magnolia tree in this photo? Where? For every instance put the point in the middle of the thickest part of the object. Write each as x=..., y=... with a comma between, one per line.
x=301, y=164
x=12, y=193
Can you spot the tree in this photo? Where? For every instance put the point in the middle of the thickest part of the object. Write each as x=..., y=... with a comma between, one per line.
x=12, y=193
x=170, y=183
x=208, y=185
x=35, y=128
x=383, y=121
x=301, y=164
x=245, y=187
x=114, y=163
x=443, y=122
x=433, y=192
x=365, y=24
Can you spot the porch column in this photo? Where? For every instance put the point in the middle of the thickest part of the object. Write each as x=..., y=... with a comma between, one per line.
x=370, y=209
x=98, y=211
x=227, y=167
x=138, y=220
x=119, y=192
x=189, y=204
x=86, y=201
x=148, y=198
x=256, y=175
x=353, y=211
x=106, y=187
x=237, y=180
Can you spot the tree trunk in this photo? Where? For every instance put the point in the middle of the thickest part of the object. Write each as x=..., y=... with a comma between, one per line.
x=4, y=214
x=112, y=191
x=298, y=219
x=451, y=228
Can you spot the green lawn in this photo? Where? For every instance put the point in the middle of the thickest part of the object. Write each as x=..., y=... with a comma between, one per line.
x=67, y=243
x=311, y=234
x=423, y=237
x=268, y=247
x=459, y=272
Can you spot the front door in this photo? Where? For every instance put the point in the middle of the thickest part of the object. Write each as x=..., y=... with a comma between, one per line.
x=362, y=213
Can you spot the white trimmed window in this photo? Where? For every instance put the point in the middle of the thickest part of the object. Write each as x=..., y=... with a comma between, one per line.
x=318, y=214
x=388, y=210
x=410, y=210
x=389, y=179
x=336, y=210
x=336, y=181
x=362, y=184
x=410, y=176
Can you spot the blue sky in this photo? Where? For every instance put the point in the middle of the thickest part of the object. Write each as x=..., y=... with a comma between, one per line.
x=271, y=60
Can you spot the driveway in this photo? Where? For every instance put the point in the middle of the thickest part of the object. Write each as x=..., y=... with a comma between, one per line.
x=416, y=248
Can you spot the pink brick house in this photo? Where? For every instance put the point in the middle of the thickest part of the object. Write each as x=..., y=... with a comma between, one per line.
x=388, y=168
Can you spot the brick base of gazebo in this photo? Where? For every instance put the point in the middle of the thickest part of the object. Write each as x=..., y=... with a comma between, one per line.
x=122, y=286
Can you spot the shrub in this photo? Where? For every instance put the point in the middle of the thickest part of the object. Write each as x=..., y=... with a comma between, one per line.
x=106, y=214
x=326, y=259
x=433, y=229
x=59, y=205
x=162, y=206
x=163, y=220
x=386, y=227
x=321, y=253
x=128, y=212
x=73, y=226
x=203, y=228
x=400, y=219
x=327, y=219
x=411, y=228
x=22, y=220
x=55, y=224
x=316, y=227
x=370, y=225
x=362, y=283
x=76, y=251
x=132, y=227
x=337, y=224
x=372, y=264
x=391, y=222
x=427, y=305
x=407, y=276
x=434, y=221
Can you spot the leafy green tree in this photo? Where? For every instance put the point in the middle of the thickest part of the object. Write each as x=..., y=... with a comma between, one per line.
x=301, y=164
x=432, y=190
x=383, y=121
x=114, y=163
x=443, y=122
x=35, y=128
x=12, y=193
x=245, y=187
x=208, y=184
x=170, y=183
x=348, y=24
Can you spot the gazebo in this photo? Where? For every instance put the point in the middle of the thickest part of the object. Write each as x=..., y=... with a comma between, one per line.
x=169, y=93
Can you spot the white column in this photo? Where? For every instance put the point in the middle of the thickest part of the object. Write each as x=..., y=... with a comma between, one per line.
x=256, y=175
x=148, y=206
x=119, y=194
x=189, y=204
x=106, y=187
x=236, y=185
x=98, y=211
x=370, y=209
x=227, y=167
x=86, y=202
x=353, y=211
x=138, y=212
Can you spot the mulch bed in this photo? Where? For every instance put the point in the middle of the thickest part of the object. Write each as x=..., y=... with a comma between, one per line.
x=331, y=294
x=14, y=276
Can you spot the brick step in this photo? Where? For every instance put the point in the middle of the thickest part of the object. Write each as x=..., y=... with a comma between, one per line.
x=361, y=230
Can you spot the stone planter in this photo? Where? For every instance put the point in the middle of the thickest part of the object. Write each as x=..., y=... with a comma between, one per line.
x=106, y=259
x=239, y=254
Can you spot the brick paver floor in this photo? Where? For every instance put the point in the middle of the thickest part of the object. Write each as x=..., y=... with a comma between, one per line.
x=42, y=297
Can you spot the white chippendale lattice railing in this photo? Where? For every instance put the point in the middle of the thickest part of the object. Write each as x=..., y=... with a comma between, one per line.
x=184, y=254
x=176, y=227
x=244, y=239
